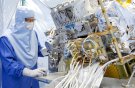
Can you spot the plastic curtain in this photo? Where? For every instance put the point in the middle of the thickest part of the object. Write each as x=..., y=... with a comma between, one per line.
x=1, y=17
x=7, y=10
x=54, y=3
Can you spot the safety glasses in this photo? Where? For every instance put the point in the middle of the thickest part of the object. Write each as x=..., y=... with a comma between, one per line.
x=31, y=19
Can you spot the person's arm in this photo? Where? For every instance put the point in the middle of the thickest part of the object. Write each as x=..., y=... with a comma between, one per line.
x=9, y=60
x=39, y=46
x=39, y=50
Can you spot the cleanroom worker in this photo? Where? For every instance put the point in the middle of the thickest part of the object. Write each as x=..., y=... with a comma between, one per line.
x=19, y=51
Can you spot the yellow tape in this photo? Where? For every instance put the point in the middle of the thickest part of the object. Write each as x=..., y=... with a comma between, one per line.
x=125, y=3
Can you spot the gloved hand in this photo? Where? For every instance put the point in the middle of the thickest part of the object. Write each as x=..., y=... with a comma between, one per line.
x=44, y=52
x=34, y=73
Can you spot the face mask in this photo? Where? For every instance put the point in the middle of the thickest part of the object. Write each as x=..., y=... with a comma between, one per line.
x=29, y=25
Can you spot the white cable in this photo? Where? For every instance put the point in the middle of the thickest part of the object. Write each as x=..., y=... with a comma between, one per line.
x=97, y=74
x=55, y=80
x=91, y=72
x=67, y=76
x=75, y=69
x=73, y=77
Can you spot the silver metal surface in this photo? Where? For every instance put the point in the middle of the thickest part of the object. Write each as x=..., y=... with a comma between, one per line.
x=116, y=83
